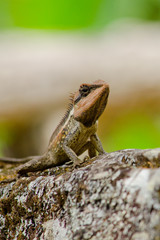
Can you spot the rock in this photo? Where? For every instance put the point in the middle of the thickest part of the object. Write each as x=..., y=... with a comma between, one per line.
x=113, y=196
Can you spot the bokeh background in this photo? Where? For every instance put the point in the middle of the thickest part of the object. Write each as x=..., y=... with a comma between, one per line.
x=48, y=48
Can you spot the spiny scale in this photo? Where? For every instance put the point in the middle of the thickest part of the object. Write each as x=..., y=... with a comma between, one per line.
x=65, y=117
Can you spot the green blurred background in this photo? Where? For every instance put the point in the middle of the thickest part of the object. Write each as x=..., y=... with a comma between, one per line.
x=73, y=15
x=130, y=129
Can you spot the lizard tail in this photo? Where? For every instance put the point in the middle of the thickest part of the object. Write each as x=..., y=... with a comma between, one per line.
x=37, y=163
x=15, y=160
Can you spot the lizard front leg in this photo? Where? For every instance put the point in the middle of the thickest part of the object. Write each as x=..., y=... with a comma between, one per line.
x=90, y=147
x=71, y=154
x=74, y=157
x=97, y=143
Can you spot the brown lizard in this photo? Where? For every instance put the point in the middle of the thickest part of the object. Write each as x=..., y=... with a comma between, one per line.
x=75, y=133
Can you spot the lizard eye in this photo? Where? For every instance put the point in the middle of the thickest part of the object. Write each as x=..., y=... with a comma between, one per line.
x=84, y=90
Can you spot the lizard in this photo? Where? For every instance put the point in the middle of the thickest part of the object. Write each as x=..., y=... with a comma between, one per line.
x=75, y=133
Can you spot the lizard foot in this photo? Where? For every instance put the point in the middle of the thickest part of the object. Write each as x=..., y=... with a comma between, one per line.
x=86, y=158
x=68, y=163
x=76, y=164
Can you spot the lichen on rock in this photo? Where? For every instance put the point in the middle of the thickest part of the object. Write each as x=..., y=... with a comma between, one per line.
x=114, y=196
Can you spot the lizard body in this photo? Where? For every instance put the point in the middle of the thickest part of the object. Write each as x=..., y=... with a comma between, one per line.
x=76, y=132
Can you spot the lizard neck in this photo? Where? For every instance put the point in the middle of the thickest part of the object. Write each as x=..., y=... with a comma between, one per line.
x=64, y=120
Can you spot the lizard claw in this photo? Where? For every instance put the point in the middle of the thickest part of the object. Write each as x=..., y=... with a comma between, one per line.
x=76, y=164
x=68, y=163
x=86, y=158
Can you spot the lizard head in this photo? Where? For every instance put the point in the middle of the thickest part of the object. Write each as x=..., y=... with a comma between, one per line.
x=90, y=102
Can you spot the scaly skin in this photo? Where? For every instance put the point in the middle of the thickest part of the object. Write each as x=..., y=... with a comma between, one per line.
x=76, y=132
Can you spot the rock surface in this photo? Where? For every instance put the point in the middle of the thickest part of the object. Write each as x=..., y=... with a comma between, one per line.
x=113, y=196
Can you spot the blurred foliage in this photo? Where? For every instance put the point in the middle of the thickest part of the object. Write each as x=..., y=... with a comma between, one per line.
x=6, y=136
x=130, y=131
x=70, y=14
x=133, y=130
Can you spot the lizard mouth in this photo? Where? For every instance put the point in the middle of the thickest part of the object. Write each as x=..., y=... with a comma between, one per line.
x=88, y=108
x=77, y=98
